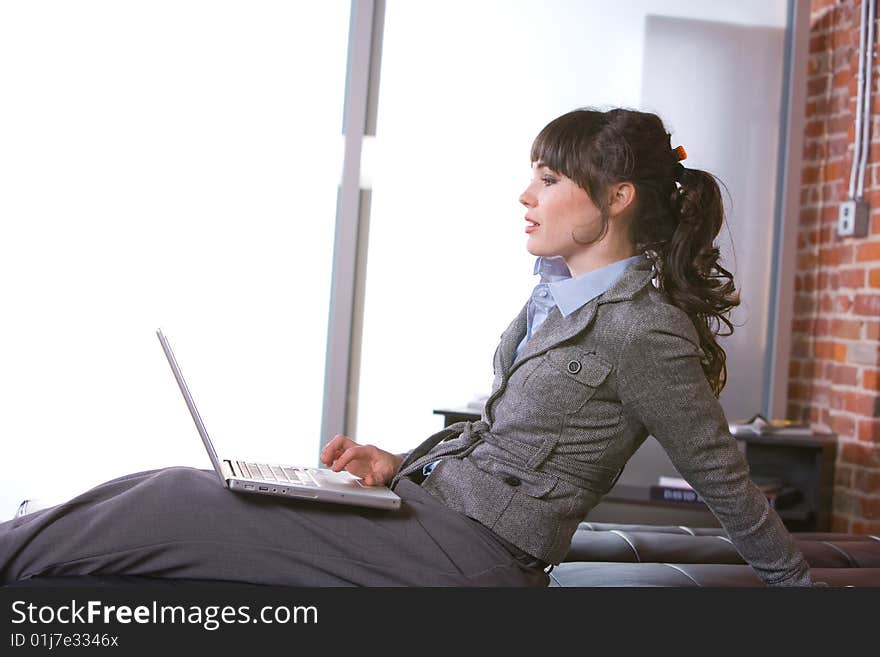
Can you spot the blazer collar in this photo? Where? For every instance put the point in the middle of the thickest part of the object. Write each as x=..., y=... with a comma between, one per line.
x=556, y=329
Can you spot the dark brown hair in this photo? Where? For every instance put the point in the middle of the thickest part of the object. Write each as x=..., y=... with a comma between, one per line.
x=678, y=212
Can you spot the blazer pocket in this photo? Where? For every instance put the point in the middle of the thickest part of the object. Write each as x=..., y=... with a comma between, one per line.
x=523, y=480
x=565, y=379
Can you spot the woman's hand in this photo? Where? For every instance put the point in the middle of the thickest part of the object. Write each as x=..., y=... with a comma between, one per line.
x=375, y=466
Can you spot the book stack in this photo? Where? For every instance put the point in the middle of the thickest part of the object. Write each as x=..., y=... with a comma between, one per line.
x=758, y=425
x=675, y=489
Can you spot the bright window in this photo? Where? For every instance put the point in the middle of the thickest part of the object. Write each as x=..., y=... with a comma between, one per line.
x=167, y=164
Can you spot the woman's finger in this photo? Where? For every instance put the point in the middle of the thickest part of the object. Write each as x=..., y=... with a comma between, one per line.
x=347, y=457
x=335, y=448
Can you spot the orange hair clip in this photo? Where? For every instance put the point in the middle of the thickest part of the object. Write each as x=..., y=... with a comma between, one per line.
x=680, y=153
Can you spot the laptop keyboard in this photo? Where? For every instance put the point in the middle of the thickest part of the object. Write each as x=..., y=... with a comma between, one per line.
x=279, y=473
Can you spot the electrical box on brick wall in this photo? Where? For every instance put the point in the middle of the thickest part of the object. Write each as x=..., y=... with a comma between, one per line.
x=852, y=220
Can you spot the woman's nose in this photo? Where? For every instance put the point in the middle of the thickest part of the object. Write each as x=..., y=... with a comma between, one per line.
x=526, y=198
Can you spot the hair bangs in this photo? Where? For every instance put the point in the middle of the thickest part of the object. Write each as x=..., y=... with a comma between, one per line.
x=563, y=145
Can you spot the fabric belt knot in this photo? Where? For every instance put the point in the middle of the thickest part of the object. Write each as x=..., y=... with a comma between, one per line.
x=456, y=439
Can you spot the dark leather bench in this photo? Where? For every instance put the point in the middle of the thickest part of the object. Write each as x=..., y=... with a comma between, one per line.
x=606, y=554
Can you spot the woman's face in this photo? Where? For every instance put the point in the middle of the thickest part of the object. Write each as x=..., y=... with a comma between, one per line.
x=557, y=207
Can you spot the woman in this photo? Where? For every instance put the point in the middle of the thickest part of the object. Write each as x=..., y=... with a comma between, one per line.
x=613, y=345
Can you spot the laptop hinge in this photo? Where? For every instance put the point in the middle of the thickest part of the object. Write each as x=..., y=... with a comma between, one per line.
x=228, y=469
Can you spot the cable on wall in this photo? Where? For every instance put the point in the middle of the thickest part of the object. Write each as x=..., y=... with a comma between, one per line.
x=867, y=57
x=852, y=220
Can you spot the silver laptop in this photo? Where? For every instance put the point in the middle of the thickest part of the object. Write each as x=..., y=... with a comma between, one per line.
x=316, y=484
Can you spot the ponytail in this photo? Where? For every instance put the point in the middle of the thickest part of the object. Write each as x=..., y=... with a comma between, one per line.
x=689, y=268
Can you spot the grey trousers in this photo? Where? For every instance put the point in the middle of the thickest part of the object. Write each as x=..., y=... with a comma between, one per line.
x=181, y=523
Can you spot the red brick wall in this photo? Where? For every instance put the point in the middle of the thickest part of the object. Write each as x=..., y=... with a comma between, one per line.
x=833, y=381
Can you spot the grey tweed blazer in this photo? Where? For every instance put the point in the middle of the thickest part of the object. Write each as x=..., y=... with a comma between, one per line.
x=566, y=415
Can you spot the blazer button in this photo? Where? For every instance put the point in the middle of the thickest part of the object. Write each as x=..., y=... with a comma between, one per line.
x=510, y=480
x=574, y=367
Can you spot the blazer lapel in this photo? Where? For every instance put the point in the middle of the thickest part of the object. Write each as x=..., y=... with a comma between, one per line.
x=557, y=329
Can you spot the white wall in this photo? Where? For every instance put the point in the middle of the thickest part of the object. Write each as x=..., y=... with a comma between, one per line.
x=720, y=86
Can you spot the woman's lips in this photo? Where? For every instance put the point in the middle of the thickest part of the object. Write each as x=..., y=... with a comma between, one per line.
x=532, y=225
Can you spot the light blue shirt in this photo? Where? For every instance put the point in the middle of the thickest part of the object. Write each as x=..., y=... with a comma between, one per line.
x=558, y=288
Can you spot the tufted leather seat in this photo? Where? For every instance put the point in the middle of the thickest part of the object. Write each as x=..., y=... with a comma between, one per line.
x=606, y=554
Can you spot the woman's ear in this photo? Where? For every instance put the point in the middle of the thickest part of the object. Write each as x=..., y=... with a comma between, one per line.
x=622, y=197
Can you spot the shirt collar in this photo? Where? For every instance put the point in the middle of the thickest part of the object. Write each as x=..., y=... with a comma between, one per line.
x=551, y=269
x=571, y=293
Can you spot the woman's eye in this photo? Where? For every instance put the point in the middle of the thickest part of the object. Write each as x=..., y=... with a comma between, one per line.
x=548, y=180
